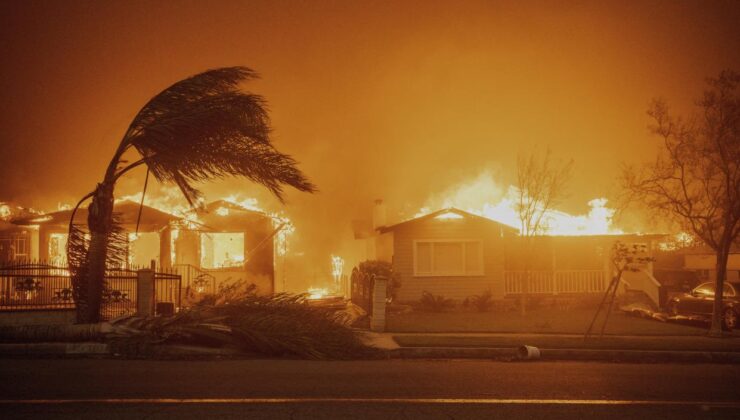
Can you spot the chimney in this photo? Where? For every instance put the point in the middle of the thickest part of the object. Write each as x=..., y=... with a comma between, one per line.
x=379, y=214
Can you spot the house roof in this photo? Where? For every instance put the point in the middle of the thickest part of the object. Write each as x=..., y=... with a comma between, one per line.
x=214, y=206
x=446, y=211
x=4, y=226
x=128, y=213
x=225, y=216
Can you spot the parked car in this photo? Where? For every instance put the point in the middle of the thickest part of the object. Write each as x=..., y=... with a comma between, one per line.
x=700, y=301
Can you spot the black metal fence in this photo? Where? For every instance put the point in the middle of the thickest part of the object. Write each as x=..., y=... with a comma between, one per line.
x=119, y=295
x=33, y=285
x=195, y=281
x=39, y=286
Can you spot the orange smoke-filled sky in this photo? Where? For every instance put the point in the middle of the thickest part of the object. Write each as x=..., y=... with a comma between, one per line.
x=396, y=100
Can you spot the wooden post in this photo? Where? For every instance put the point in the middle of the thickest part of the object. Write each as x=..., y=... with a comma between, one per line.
x=165, y=247
x=554, y=271
x=377, y=317
x=145, y=293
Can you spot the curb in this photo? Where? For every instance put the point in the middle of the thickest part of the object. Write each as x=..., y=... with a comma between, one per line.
x=453, y=353
x=637, y=356
x=96, y=349
x=54, y=349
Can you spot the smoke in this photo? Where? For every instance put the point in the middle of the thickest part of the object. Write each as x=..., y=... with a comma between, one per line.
x=387, y=100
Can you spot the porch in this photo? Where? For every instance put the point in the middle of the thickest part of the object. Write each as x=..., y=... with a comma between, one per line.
x=548, y=282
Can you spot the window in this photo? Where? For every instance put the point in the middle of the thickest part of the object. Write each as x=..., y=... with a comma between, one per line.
x=219, y=250
x=58, y=249
x=143, y=248
x=448, y=258
x=707, y=289
x=14, y=247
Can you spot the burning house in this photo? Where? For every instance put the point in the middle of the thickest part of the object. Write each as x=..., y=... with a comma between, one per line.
x=458, y=254
x=448, y=252
x=224, y=242
x=229, y=243
x=16, y=242
x=152, y=242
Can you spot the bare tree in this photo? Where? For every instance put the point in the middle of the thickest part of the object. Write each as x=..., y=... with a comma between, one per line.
x=198, y=129
x=541, y=185
x=695, y=180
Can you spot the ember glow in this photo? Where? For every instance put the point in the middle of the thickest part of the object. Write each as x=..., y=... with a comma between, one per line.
x=484, y=196
x=221, y=250
x=314, y=293
x=451, y=92
x=167, y=199
x=170, y=200
x=4, y=211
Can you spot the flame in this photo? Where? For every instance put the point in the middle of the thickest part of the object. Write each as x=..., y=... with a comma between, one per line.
x=8, y=211
x=282, y=238
x=4, y=211
x=447, y=216
x=337, y=266
x=680, y=240
x=483, y=196
x=248, y=203
x=317, y=292
x=170, y=200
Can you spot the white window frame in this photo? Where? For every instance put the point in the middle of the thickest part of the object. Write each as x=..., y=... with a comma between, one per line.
x=463, y=273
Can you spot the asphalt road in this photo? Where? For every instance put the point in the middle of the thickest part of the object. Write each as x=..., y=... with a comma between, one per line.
x=277, y=389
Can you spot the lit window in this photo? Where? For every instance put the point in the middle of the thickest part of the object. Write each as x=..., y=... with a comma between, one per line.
x=58, y=249
x=143, y=248
x=448, y=258
x=219, y=250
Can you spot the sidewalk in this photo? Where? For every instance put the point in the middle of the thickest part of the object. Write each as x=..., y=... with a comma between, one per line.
x=561, y=347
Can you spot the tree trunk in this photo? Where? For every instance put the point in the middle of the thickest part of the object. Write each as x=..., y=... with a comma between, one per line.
x=100, y=222
x=721, y=269
x=525, y=292
x=529, y=252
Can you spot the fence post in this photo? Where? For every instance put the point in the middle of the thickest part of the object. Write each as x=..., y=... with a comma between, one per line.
x=377, y=318
x=145, y=292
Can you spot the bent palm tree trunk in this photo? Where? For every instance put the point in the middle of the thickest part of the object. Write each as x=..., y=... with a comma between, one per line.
x=100, y=223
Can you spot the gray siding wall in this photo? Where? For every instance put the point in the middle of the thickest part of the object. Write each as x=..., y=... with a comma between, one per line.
x=455, y=287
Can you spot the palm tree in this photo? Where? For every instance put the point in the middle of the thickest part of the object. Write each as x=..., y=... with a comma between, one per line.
x=198, y=129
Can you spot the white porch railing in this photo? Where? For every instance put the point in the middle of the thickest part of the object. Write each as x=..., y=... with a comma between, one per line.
x=554, y=282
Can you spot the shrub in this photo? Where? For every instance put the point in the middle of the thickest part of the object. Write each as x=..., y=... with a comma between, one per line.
x=482, y=302
x=435, y=303
x=371, y=268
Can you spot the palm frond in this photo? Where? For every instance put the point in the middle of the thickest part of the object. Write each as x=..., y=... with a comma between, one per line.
x=204, y=127
x=281, y=325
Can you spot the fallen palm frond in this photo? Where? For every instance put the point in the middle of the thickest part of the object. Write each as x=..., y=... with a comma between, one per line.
x=281, y=325
x=52, y=333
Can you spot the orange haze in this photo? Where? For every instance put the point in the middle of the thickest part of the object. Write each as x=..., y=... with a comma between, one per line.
x=397, y=100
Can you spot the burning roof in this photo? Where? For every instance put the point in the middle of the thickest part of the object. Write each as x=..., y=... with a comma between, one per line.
x=448, y=213
x=127, y=211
